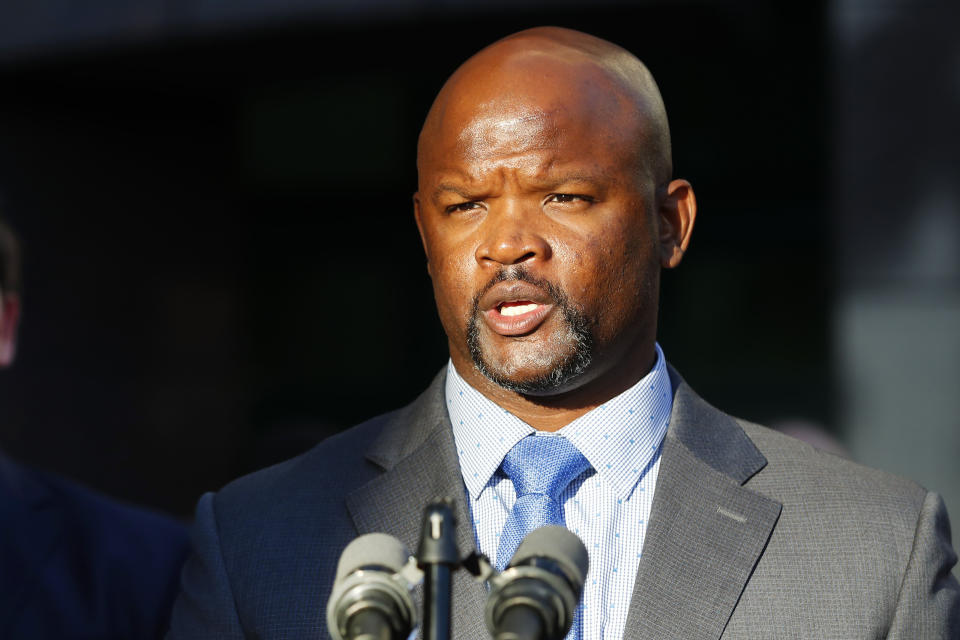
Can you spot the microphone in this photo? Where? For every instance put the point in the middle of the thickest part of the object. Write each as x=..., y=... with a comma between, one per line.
x=536, y=597
x=371, y=593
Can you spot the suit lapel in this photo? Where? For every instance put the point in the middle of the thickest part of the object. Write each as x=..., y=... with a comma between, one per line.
x=418, y=455
x=706, y=532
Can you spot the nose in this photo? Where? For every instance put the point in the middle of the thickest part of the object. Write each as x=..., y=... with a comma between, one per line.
x=512, y=236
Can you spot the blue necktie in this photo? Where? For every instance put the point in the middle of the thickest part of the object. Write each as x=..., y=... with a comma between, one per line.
x=541, y=467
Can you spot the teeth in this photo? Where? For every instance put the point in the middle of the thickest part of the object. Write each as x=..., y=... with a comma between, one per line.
x=517, y=309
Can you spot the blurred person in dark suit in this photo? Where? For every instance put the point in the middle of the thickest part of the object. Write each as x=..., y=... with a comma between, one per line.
x=75, y=564
x=547, y=208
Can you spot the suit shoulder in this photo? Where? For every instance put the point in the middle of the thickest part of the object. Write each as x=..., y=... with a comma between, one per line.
x=811, y=482
x=328, y=471
x=103, y=520
x=847, y=530
x=291, y=515
x=316, y=480
x=108, y=556
x=791, y=457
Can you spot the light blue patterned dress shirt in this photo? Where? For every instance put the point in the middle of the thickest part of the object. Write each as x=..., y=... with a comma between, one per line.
x=608, y=507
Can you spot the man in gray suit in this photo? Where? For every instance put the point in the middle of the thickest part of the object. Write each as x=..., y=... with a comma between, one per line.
x=547, y=208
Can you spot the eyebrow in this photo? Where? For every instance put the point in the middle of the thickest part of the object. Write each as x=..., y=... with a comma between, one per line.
x=570, y=176
x=448, y=186
x=546, y=183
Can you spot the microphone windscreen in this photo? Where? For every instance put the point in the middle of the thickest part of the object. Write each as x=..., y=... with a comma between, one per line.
x=377, y=551
x=559, y=545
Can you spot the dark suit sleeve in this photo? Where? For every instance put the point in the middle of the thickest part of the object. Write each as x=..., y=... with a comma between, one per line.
x=928, y=605
x=205, y=608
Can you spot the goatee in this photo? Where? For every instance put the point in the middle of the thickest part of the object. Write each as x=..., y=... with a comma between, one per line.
x=568, y=358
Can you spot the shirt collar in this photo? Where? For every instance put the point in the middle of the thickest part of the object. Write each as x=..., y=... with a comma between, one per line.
x=620, y=438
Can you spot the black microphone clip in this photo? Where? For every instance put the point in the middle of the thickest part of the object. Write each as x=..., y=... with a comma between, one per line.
x=438, y=557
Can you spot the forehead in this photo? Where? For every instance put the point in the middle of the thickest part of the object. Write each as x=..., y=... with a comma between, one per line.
x=498, y=129
x=527, y=105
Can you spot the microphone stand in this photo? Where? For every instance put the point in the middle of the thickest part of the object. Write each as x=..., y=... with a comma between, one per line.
x=437, y=556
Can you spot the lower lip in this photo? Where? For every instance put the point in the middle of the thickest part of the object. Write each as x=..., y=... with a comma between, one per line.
x=517, y=325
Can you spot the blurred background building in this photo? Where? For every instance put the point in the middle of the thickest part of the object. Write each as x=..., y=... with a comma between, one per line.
x=221, y=265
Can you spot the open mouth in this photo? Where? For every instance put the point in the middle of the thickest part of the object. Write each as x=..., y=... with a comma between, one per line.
x=513, y=309
x=517, y=317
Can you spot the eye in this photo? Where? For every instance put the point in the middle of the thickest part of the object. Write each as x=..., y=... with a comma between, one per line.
x=565, y=198
x=462, y=206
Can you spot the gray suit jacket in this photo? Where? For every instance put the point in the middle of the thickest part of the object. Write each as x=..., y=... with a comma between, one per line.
x=752, y=535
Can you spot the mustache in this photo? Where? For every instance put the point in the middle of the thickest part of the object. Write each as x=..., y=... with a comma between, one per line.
x=521, y=274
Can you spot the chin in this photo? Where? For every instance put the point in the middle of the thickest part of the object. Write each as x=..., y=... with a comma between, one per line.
x=536, y=372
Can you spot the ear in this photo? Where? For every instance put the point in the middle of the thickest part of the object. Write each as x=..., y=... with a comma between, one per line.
x=417, y=216
x=9, y=320
x=678, y=209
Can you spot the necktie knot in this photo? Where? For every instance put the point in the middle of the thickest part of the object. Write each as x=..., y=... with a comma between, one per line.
x=543, y=465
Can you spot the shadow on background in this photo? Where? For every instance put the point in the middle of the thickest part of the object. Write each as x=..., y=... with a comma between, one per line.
x=221, y=262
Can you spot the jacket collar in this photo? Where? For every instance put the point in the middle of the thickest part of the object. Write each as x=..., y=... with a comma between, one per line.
x=706, y=534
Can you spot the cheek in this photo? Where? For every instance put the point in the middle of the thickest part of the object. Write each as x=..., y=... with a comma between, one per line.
x=587, y=272
x=608, y=274
x=604, y=259
x=452, y=289
x=629, y=250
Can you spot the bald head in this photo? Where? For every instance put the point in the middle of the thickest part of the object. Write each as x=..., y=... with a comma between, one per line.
x=546, y=211
x=558, y=72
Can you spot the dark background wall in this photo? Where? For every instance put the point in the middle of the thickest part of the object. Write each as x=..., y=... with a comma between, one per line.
x=221, y=265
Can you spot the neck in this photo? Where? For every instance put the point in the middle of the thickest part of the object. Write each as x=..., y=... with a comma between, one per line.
x=553, y=412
